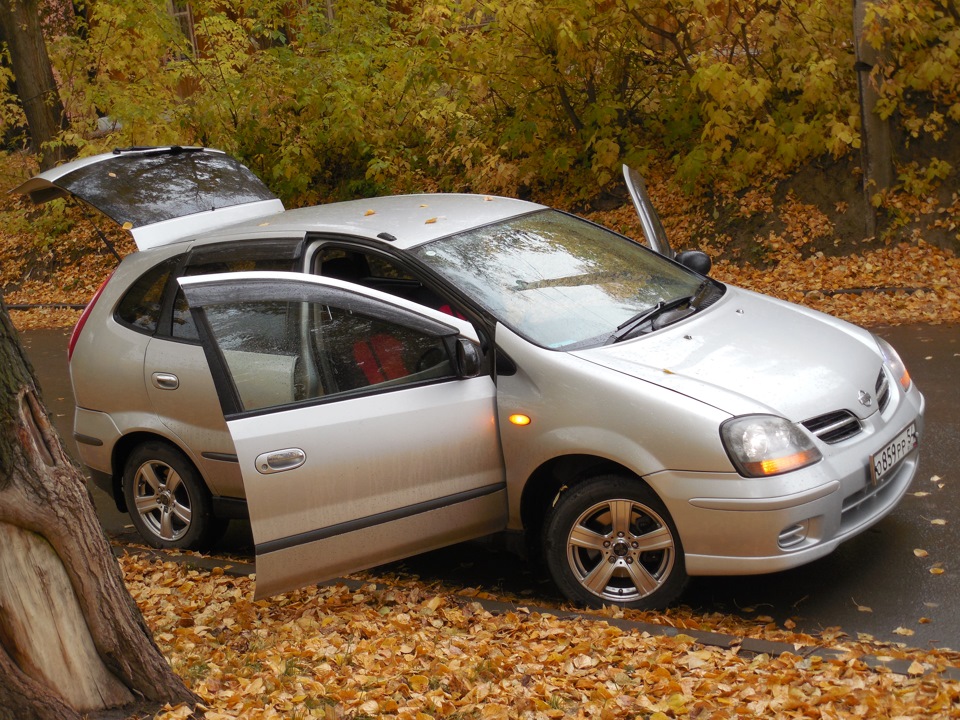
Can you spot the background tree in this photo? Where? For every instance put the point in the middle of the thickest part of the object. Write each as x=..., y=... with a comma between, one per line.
x=876, y=148
x=72, y=640
x=33, y=74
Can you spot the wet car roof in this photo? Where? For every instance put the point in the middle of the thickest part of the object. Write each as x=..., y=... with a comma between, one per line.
x=403, y=221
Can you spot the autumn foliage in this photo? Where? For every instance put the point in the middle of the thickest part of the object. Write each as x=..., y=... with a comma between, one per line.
x=352, y=97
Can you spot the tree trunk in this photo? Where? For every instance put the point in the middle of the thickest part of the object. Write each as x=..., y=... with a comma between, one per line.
x=876, y=144
x=72, y=640
x=36, y=88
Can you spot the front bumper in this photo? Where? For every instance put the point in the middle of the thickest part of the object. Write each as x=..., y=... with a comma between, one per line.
x=730, y=525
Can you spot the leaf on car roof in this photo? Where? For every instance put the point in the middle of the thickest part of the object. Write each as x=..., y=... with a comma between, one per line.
x=369, y=212
x=430, y=221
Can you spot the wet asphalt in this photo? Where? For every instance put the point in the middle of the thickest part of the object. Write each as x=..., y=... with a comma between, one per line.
x=874, y=584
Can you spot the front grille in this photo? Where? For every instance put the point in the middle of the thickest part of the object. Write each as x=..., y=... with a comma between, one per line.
x=883, y=391
x=834, y=427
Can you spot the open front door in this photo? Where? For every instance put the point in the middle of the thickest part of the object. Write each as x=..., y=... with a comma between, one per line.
x=652, y=227
x=365, y=426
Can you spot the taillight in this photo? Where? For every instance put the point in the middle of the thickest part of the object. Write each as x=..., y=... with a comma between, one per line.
x=78, y=328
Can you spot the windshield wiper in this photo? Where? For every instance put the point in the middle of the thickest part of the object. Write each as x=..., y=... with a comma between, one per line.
x=637, y=320
x=625, y=329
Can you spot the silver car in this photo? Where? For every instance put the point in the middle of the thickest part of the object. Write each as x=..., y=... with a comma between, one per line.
x=376, y=378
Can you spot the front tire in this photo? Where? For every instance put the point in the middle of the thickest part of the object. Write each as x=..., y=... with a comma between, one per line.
x=611, y=541
x=167, y=499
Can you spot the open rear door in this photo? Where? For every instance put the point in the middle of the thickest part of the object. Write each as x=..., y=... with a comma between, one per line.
x=653, y=230
x=159, y=194
x=364, y=425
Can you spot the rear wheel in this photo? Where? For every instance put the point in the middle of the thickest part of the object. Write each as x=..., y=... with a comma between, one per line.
x=611, y=541
x=168, y=501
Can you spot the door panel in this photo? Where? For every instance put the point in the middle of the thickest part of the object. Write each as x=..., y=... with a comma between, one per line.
x=296, y=566
x=188, y=407
x=357, y=439
x=368, y=456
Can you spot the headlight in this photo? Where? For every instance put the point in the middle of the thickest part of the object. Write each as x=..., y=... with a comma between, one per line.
x=762, y=445
x=892, y=360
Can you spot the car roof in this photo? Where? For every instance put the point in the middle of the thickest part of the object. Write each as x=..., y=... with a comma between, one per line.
x=401, y=221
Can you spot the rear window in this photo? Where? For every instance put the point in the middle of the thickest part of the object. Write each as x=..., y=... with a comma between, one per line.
x=145, y=188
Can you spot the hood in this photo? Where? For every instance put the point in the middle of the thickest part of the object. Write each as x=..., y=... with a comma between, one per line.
x=160, y=195
x=752, y=354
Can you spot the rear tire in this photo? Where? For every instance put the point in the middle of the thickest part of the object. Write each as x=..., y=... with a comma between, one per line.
x=167, y=499
x=611, y=541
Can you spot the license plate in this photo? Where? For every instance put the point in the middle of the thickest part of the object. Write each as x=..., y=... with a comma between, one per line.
x=885, y=461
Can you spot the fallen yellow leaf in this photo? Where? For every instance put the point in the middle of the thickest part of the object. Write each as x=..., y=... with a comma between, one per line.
x=920, y=553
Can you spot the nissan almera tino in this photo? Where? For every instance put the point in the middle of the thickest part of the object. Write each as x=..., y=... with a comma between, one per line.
x=376, y=378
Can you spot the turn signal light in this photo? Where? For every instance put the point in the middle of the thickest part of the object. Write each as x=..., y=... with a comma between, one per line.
x=520, y=419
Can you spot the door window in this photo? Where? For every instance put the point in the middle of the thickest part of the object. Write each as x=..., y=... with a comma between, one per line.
x=281, y=353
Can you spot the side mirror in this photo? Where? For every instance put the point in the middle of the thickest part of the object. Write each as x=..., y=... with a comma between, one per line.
x=469, y=359
x=696, y=260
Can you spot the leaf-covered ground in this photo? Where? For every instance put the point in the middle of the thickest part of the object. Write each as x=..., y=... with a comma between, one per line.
x=408, y=651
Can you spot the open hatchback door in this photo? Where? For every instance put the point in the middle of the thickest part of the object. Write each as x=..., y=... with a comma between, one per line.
x=653, y=229
x=365, y=425
x=159, y=194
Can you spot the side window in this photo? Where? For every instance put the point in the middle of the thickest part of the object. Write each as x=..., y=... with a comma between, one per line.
x=276, y=359
x=356, y=352
x=183, y=327
x=140, y=307
x=376, y=271
x=260, y=344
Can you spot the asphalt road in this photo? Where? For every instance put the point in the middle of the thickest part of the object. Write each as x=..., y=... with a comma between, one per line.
x=873, y=584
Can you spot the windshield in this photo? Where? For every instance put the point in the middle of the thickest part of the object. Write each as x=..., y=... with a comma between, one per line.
x=557, y=280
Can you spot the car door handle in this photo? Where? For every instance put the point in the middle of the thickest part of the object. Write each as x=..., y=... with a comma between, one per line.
x=280, y=460
x=165, y=381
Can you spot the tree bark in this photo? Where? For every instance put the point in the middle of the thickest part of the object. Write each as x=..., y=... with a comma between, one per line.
x=36, y=87
x=72, y=640
x=876, y=143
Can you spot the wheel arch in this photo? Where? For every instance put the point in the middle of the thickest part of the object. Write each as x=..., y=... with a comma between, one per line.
x=122, y=450
x=553, y=477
